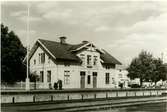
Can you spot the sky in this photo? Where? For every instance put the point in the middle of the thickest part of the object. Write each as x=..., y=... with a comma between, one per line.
x=123, y=29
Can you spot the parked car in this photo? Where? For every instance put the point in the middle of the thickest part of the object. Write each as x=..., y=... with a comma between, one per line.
x=135, y=86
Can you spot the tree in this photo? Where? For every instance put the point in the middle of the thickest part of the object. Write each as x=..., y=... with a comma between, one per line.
x=12, y=54
x=159, y=71
x=34, y=78
x=147, y=68
x=141, y=67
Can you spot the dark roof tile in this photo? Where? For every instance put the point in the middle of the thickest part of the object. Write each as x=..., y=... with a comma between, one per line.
x=60, y=51
x=108, y=59
x=64, y=52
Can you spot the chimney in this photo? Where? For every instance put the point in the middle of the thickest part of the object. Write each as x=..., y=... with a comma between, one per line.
x=85, y=41
x=62, y=40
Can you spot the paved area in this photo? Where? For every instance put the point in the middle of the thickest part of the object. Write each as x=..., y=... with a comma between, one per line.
x=74, y=106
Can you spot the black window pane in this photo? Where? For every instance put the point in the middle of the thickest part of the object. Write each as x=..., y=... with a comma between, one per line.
x=88, y=79
x=107, y=78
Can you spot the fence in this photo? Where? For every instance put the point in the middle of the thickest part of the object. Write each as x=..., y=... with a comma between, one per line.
x=71, y=95
x=22, y=85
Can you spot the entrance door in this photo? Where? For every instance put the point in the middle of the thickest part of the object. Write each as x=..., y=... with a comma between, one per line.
x=94, y=79
x=82, y=80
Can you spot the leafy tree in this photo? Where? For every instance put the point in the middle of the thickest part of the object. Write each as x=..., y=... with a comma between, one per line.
x=141, y=67
x=12, y=54
x=147, y=68
x=34, y=78
x=159, y=71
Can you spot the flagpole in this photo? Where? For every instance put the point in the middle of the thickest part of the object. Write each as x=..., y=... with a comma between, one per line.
x=28, y=28
x=162, y=56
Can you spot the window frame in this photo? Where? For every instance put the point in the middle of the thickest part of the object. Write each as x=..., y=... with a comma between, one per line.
x=82, y=56
x=95, y=60
x=49, y=73
x=89, y=59
x=42, y=58
x=41, y=76
x=34, y=61
x=66, y=77
x=107, y=78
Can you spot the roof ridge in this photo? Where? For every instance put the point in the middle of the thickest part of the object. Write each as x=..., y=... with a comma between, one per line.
x=63, y=51
x=60, y=43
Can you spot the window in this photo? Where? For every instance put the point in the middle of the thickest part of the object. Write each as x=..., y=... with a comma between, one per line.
x=88, y=59
x=49, y=76
x=107, y=78
x=110, y=66
x=41, y=76
x=107, y=67
x=94, y=73
x=41, y=58
x=48, y=59
x=88, y=79
x=66, y=77
x=83, y=59
x=95, y=60
x=82, y=73
x=34, y=61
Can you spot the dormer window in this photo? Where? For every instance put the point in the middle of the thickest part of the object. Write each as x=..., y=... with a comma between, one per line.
x=95, y=60
x=88, y=59
x=82, y=56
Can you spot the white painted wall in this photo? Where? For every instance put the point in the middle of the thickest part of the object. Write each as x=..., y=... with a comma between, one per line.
x=48, y=65
x=57, y=71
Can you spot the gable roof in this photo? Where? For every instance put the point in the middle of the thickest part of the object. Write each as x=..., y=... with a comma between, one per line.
x=65, y=51
x=60, y=51
x=108, y=59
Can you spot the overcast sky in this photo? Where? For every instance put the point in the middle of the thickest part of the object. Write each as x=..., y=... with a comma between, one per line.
x=122, y=28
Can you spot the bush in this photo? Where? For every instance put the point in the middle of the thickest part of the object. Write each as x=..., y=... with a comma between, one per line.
x=55, y=85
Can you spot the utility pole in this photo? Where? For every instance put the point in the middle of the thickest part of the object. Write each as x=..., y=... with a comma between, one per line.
x=28, y=28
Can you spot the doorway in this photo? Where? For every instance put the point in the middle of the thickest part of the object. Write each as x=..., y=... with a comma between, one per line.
x=82, y=80
x=94, y=79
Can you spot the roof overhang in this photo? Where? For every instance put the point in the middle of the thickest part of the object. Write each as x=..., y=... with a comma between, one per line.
x=85, y=46
x=34, y=48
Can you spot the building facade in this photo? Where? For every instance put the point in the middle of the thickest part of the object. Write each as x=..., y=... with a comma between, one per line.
x=77, y=66
x=123, y=79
